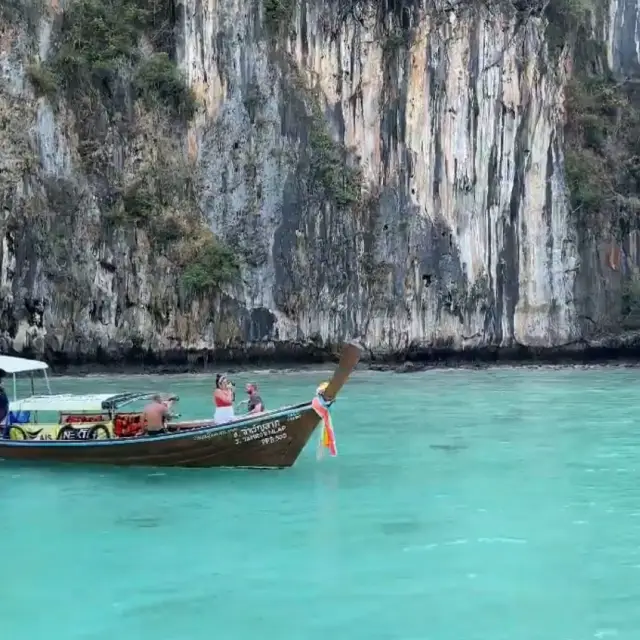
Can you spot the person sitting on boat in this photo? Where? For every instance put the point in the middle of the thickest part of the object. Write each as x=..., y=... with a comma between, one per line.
x=254, y=403
x=223, y=397
x=4, y=407
x=155, y=416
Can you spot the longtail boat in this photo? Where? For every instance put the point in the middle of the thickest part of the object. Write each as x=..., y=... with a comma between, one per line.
x=97, y=429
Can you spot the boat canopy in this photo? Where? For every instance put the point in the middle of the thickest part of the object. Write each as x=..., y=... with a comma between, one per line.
x=21, y=365
x=70, y=403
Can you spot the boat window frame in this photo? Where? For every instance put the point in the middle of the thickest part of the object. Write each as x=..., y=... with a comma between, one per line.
x=14, y=378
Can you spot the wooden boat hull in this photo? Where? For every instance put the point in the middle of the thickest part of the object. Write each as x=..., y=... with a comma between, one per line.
x=273, y=439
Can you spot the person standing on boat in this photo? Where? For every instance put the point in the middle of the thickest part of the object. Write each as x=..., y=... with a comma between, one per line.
x=254, y=403
x=223, y=397
x=4, y=406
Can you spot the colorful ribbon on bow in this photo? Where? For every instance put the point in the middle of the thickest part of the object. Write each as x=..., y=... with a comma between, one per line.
x=328, y=437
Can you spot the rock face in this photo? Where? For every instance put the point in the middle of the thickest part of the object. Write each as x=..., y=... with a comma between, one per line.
x=387, y=170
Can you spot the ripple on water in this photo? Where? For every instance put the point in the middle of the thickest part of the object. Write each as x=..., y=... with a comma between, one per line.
x=463, y=541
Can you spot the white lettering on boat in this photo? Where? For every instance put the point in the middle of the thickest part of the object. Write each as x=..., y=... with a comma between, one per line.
x=273, y=439
x=267, y=433
x=75, y=434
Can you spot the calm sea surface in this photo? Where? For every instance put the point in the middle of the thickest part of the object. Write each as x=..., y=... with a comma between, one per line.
x=490, y=505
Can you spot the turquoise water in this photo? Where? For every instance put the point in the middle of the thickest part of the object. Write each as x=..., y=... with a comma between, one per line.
x=463, y=505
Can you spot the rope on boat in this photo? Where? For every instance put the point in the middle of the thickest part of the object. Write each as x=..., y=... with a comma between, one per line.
x=328, y=437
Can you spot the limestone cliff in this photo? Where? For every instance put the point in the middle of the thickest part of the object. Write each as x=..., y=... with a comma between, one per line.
x=392, y=170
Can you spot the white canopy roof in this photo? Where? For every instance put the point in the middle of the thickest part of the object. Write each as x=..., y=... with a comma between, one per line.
x=21, y=365
x=70, y=403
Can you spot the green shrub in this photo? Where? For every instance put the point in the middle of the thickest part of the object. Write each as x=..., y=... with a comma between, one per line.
x=158, y=189
x=566, y=19
x=97, y=37
x=210, y=266
x=569, y=15
x=167, y=231
x=278, y=15
x=158, y=79
x=587, y=178
x=139, y=202
x=341, y=183
x=159, y=20
x=44, y=81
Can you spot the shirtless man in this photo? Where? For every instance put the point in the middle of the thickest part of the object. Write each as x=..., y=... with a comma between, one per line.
x=155, y=416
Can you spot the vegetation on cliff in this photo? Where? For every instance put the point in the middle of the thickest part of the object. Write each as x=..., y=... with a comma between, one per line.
x=278, y=15
x=112, y=63
x=602, y=146
x=98, y=57
x=209, y=266
x=159, y=83
x=602, y=135
x=330, y=169
x=602, y=156
x=325, y=160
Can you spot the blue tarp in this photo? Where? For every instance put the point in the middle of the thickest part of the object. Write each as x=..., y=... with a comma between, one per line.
x=19, y=417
